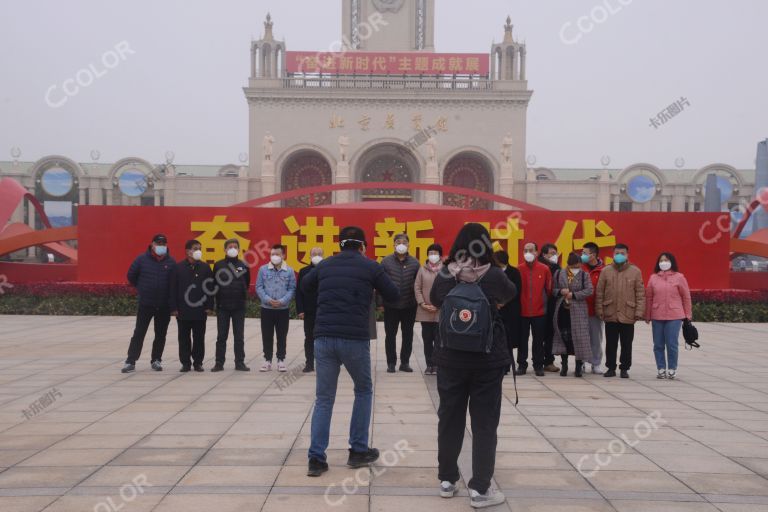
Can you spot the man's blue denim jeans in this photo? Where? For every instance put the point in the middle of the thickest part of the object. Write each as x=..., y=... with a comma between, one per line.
x=355, y=355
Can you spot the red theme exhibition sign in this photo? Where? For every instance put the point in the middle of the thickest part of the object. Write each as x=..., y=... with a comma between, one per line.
x=400, y=63
x=110, y=237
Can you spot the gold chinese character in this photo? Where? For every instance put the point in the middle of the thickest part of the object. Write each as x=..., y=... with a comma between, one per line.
x=390, y=123
x=567, y=241
x=379, y=64
x=473, y=64
x=438, y=64
x=336, y=122
x=405, y=64
x=456, y=64
x=303, y=239
x=421, y=64
x=365, y=122
x=506, y=236
x=216, y=232
x=386, y=230
x=362, y=63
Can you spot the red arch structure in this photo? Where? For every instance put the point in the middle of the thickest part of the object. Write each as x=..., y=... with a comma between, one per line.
x=468, y=194
x=757, y=243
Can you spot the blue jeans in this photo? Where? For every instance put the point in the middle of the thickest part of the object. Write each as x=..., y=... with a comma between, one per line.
x=355, y=355
x=665, y=336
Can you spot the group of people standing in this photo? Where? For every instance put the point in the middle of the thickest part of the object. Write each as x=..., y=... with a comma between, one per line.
x=564, y=309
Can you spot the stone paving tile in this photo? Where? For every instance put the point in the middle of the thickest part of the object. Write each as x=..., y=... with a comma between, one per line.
x=232, y=442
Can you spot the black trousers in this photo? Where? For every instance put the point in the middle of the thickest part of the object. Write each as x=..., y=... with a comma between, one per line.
x=405, y=319
x=549, y=333
x=616, y=333
x=309, y=339
x=429, y=335
x=537, y=326
x=223, y=319
x=144, y=316
x=191, y=341
x=482, y=390
x=274, y=321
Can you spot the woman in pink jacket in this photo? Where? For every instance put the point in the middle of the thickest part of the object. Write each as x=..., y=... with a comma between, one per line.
x=667, y=304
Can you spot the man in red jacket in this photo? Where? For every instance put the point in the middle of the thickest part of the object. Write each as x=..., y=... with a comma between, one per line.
x=593, y=265
x=537, y=287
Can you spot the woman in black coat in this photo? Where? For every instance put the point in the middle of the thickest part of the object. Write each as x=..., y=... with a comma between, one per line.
x=471, y=378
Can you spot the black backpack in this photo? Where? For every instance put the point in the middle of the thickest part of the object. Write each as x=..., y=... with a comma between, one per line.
x=466, y=319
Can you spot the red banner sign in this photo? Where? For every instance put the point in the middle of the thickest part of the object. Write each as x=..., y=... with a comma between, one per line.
x=400, y=63
x=112, y=236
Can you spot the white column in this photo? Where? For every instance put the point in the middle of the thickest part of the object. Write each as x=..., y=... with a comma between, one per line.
x=342, y=177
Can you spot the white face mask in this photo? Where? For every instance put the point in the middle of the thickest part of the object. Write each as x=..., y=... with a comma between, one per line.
x=401, y=249
x=161, y=250
x=575, y=271
x=529, y=257
x=232, y=253
x=197, y=255
x=316, y=260
x=554, y=259
x=665, y=265
x=434, y=259
x=276, y=260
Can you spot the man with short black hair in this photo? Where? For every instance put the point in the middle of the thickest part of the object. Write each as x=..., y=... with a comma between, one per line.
x=549, y=256
x=344, y=284
x=620, y=302
x=306, y=309
x=233, y=278
x=275, y=286
x=593, y=265
x=150, y=274
x=190, y=304
x=402, y=269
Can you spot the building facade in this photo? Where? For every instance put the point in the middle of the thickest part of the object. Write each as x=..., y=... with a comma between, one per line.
x=379, y=105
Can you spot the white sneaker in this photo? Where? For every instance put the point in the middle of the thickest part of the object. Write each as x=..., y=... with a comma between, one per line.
x=597, y=370
x=281, y=366
x=448, y=490
x=266, y=367
x=489, y=499
x=663, y=374
x=672, y=374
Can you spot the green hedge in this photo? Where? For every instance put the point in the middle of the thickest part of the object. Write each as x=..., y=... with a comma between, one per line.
x=78, y=299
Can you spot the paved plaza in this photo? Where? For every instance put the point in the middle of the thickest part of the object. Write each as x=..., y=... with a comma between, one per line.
x=77, y=435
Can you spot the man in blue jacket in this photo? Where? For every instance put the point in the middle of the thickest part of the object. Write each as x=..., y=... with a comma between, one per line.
x=275, y=286
x=344, y=284
x=150, y=274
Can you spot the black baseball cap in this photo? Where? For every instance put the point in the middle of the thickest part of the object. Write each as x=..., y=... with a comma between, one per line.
x=160, y=239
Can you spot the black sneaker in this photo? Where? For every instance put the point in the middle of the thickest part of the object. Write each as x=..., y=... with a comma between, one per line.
x=128, y=368
x=199, y=368
x=609, y=373
x=391, y=368
x=539, y=372
x=240, y=367
x=316, y=467
x=520, y=370
x=624, y=374
x=185, y=368
x=308, y=369
x=362, y=459
x=157, y=366
x=405, y=367
x=218, y=367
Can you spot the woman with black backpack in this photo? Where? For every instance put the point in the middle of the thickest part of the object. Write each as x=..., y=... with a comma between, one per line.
x=471, y=356
x=571, y=287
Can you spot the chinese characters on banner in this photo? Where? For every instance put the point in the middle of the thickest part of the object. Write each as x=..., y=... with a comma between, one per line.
x=105, y=258
x=402, y=63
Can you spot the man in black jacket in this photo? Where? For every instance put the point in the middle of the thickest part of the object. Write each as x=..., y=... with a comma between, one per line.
x=549, y=256
x=510, y=313
x=402, y=269
x=344, y=285
x=306, y=309
x=190, y=304
x=150, y=274
x=232, y=281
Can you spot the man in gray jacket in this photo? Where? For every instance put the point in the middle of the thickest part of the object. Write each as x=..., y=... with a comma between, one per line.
x=401, y=268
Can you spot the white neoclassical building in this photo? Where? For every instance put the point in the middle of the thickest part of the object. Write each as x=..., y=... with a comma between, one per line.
x=380, y=105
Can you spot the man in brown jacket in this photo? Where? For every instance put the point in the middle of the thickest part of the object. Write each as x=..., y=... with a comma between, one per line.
x=620, y=302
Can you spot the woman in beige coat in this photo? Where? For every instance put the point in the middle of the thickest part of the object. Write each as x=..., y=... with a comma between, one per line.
x=426, y=313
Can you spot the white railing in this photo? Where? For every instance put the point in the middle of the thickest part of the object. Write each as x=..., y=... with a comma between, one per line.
x=361, y=82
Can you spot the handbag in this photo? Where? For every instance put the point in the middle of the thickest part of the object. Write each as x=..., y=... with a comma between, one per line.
x=690, y=334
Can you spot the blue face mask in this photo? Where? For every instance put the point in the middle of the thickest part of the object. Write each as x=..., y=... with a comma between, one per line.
x=161, y=250
x=620, y=258
x=585, y=258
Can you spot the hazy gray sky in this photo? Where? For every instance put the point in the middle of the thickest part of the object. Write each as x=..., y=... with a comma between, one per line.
x=182, y=88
